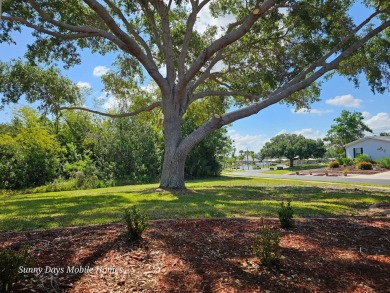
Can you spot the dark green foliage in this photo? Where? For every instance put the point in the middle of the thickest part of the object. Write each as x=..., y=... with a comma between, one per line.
x=364, y=166
x=35, y=83
x=267, y=248
x=285, y=214
x=10, y=261
x=292, y=145
x=333, y=164
x=136, y=222
x=204, y=160
x=79, y=151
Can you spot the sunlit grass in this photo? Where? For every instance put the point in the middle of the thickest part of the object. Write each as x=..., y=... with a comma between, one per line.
x=220, y=197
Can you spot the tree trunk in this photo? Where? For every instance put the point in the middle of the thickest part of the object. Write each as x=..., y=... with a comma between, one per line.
x=291, y=162
x=172, y=176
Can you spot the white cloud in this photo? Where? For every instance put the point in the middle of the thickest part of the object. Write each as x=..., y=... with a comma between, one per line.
x=347, y=101
x=219, y=66
x=379, y=123
x=99, y=71
x=111, y=103
x=311, y=111
x=150, y=87
x=84, y=85
x=309, y=133
x=366, y=115
x=205, y=19
x=250, y=142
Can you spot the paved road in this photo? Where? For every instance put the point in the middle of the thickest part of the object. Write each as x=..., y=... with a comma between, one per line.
x=380, y=178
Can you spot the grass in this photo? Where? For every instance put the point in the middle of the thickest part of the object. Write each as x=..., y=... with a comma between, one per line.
x=222, y=197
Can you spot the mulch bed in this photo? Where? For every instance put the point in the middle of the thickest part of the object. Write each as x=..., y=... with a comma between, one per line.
x=209, y=255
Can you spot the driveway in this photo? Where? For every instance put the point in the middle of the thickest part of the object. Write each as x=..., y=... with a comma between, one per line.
x=380, y=178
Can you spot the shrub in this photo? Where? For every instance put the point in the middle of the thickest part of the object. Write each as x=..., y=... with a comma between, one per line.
x=385, y=163
x=362, y=158
x=286, y=215
x=334, y=164
x=345, y=161
x=267, y=247
x=10, y=261
x=136, y=222
x=364, y=166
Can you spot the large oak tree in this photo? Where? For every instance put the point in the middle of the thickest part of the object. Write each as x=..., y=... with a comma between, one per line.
x=293, y=146
x=270, y=51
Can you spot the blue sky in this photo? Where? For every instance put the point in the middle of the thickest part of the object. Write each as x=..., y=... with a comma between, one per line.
x=250, y=133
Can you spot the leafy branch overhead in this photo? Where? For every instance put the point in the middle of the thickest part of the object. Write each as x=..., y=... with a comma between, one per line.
x=259, y=54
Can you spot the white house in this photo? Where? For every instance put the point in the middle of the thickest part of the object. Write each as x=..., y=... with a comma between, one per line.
x=377, y=147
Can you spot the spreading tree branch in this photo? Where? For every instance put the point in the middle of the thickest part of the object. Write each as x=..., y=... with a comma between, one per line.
x=69, y=36
x=130, y=28
x=220, y=120
x=129, y=114
x=224, y=41
x=132, y=46
x=187, y=37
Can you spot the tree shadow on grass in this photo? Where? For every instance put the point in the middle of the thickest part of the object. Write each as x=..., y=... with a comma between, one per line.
x=49, y=212
x=255, y=201
x=43, y=212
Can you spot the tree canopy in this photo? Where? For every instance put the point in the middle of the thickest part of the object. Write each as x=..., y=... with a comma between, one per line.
x=292, y=146
x=267, y=52
x=349, y=126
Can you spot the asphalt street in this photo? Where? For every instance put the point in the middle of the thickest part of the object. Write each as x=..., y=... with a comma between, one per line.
x=380, y=178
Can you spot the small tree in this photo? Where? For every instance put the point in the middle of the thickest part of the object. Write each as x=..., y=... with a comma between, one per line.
x=136, y=222
x=349, y=126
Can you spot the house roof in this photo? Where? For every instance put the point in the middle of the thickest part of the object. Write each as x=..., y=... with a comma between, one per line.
x=381, y=138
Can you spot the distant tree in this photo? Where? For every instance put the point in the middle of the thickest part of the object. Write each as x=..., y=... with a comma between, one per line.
x=384, y=134
x=349, y=127
x=291, y=146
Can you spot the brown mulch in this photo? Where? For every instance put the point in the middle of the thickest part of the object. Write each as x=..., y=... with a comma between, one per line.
x=209, y=255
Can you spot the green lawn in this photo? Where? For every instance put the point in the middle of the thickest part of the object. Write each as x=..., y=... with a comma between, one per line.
x=222, y=197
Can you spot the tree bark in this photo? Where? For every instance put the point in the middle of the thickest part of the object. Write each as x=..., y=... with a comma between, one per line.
x=291, y=162
x=172, y=176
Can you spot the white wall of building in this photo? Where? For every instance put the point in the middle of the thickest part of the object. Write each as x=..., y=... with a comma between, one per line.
x=376, y=149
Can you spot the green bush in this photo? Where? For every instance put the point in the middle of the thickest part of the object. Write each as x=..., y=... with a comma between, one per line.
x=10, y=261
x=385, y=163
x=286, y=215
x=345, y=161
x=364, y=166
x=136, y=222
x=362, y=158
x=333, y=164
x=267, y=246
